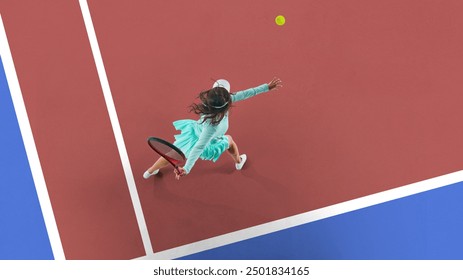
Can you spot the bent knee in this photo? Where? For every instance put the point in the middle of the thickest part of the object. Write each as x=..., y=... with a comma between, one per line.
x=230, y=140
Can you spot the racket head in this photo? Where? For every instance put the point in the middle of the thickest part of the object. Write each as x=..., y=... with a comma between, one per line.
x=167, y=150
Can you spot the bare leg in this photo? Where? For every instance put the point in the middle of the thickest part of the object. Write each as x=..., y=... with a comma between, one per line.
x=160, y=163
x=233, y=150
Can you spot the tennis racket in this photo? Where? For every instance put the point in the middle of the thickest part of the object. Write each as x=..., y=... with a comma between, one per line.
x=168, y=151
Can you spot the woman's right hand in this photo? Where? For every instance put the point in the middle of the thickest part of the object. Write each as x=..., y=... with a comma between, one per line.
x=180, y=172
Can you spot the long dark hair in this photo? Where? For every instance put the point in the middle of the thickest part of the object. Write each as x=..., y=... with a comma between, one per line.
x=214, y=104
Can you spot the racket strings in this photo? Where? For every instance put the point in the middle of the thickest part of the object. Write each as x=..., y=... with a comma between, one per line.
x=167, y=150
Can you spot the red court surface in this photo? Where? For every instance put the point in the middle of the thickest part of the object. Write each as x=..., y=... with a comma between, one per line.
x=371, y=101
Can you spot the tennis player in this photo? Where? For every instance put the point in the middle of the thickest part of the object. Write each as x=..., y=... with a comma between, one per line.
x=205, y=138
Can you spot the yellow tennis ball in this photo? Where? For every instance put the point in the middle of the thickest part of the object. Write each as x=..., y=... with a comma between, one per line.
x=280, y=20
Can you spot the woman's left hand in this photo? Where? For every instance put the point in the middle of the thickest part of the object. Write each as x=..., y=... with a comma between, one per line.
x=275, y=84
x=179, y=173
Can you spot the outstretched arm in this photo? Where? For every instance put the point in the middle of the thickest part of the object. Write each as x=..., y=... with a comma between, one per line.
x=274, y=84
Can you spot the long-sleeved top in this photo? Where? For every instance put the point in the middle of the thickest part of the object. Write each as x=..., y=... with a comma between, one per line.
x=207, y=131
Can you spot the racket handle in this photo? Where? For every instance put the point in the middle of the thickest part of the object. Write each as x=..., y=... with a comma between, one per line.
x=177, y=173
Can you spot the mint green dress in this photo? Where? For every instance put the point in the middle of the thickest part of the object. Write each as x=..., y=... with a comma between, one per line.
x=203, y=140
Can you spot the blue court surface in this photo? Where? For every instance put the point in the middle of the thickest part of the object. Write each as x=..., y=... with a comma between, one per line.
x=23, y=234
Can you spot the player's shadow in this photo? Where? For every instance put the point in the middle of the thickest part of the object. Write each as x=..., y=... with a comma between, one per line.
x=251, y=172
x=171, y=193
x=227, y=168
x=164, y=186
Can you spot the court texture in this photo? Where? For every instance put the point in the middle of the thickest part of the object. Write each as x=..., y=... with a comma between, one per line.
x=358, y=156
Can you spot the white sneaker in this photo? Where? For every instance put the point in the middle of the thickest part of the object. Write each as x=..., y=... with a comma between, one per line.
x=243, y=161
x=146, y=175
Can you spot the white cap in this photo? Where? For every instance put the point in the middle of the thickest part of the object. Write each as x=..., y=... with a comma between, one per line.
x=222, y=83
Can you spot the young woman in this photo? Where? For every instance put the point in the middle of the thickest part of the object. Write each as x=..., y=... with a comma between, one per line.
x=205, y=138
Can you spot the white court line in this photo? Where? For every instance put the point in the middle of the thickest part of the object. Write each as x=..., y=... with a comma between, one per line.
x=29, y=144
x=308, y=217
x=116, y=126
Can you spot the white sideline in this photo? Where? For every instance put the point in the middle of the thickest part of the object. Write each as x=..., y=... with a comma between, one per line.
x=116, y=127
x=29, y=144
